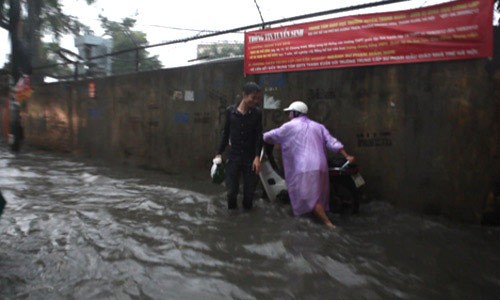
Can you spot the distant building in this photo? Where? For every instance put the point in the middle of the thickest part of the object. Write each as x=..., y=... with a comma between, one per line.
x=90, y=46
x=219, y=50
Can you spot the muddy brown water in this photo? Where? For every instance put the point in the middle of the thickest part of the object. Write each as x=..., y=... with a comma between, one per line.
x=75, y=229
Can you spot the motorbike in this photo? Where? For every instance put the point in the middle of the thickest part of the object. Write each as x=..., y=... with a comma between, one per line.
x=272, y=177
x=346, y=185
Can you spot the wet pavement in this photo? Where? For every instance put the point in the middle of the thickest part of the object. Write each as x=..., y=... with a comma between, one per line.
x=76, y=229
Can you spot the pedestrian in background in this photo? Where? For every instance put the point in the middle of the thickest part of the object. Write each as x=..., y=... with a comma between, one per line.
x=2, y=203
x=304, y=144
x=243, y=134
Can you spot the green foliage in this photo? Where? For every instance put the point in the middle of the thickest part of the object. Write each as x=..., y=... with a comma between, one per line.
x=49, y=56
x=220, y=50
x=124, y=38
x=43, y=18
x=49, y=17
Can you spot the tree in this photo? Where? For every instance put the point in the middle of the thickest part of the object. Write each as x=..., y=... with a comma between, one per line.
x=43, y=17
x=50, y=55
x=219, y=50
x=124, y=38
x=10, y=20
x=498, y=9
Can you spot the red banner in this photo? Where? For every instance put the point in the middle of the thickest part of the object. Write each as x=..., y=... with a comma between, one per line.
x=454, y=30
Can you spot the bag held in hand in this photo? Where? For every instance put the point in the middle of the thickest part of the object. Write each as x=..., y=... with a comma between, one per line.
x=217, y=172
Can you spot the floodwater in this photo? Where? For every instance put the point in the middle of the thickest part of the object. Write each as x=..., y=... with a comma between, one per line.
x=75, y=229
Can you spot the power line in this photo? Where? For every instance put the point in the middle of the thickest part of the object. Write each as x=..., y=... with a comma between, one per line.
x=178, y=28
x=245, y=28
x=260, y=14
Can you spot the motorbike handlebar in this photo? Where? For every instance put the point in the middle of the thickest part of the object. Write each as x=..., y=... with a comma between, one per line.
x=344, y=166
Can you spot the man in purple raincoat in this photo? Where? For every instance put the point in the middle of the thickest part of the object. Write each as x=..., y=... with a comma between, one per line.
x=304, y=144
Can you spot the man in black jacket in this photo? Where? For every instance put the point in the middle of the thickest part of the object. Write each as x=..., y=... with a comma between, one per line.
x=243, y=134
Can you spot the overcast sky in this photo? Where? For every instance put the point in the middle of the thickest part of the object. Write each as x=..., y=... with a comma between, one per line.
x=162, y=21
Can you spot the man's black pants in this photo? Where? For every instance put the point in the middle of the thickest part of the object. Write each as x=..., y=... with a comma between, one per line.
x=236, y=168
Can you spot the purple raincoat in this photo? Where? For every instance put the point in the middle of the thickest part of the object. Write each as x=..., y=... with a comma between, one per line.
x=304, y=144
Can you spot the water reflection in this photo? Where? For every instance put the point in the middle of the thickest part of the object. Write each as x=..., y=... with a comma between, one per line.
x=78, y=230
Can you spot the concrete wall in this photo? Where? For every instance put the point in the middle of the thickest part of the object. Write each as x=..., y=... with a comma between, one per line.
x=426, y=135
x=168, y=120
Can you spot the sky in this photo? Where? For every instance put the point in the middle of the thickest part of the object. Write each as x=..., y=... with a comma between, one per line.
x=163, y=22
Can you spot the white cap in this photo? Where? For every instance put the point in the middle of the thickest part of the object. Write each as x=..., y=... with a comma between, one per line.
x=297, y=106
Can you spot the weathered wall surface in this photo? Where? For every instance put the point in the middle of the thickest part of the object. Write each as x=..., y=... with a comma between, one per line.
x=167, y=120
x=426, y=135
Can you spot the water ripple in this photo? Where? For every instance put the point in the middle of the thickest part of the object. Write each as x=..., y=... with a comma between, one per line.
x=72, y=230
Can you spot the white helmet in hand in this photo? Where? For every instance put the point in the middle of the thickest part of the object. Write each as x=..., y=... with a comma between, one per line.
x=297, y=106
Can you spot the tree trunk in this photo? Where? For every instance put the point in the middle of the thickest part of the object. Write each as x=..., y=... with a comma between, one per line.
x=14, y=19
x=34, y=38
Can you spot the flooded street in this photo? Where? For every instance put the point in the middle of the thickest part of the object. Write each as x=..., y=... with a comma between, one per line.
x=73, y=229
